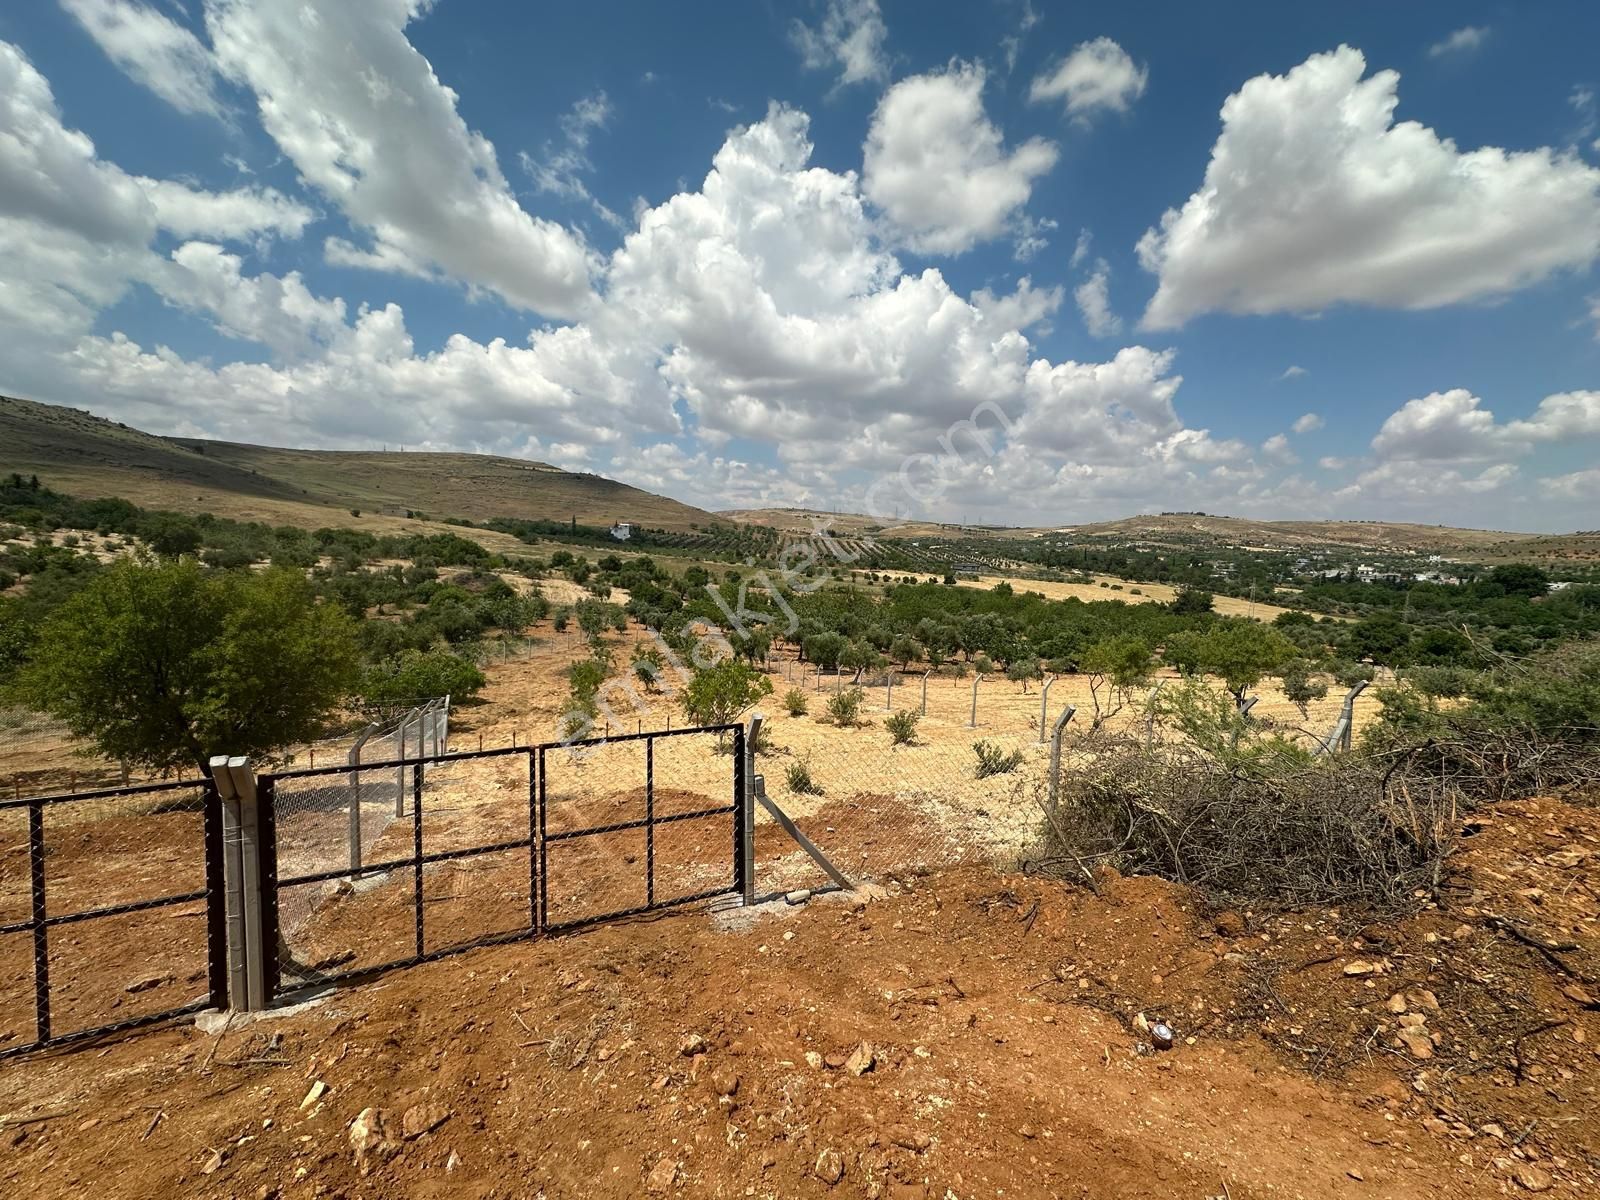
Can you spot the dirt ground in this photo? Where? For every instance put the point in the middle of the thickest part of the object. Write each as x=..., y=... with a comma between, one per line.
x=962, y=1034
x=947, y=1030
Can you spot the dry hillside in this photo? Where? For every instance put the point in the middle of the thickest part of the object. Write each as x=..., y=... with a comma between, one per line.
x=76, y=452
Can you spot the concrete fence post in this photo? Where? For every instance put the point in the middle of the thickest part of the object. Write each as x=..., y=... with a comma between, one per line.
x=241, y=873
x=355, y=796
x=1044, y=706
x=747, y=802
x=1055, y=756
x=1343, y=734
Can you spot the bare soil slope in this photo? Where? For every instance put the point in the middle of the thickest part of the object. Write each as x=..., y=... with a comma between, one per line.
x=965, y=1034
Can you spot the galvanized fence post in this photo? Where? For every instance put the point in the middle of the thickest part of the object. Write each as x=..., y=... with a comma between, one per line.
x=1055, y=756
x=1044, y=705
x=925, y=675
x=977, y=678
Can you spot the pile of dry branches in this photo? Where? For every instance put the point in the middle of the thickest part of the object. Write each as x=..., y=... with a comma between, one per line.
x=1352, y=829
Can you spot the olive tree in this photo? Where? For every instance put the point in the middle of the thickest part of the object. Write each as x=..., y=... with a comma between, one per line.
x=166, y=664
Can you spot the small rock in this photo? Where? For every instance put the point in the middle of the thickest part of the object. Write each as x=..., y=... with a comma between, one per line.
x=861, y=1059
x=1415, y=1041
x=1355, y=1174
x=1569, y=857
x=214, y=1163
x=815, y=1060
x=798, y=897
x=692, y=1045
x=788, y=935
x=147, y=982
x=1361, y=966
x=661, y=1177
x=1229, y=923
x=1576, y=993
x=369, y=1138
x=908, y=1138
x=725, y=1081
x=1413, y=1020
x=1397, y=1003
x=1028, y=1132
x=1141, y=1024
x=422, y=1118
x=318, y=1090
x=829, y=1167
x=451, y=1163
x=1422, y=998
x=1532, y=1177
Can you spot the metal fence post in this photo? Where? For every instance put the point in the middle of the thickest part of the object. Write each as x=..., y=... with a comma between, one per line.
x=1055, y=756
x=747, y=812
x=925, y=675
x=976, y=680
x=1044, y=705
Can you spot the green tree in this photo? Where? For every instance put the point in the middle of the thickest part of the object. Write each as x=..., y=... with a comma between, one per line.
x=415, y=675
x=164, y=665
x=715, y=695
x=1191, y=602
x=1115, y=667
x=1240, y=653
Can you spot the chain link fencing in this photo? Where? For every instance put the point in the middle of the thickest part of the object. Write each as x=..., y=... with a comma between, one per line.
x=333, y=824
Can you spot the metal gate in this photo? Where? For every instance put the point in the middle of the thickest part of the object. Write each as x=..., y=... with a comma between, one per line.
x=455, y=851
x=110, y=912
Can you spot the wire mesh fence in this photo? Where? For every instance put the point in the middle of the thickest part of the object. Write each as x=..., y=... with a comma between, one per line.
x=104, y=915
x=881, y=809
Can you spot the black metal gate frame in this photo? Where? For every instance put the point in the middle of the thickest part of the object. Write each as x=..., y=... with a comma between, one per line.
x=537, y=844
x=41, y=921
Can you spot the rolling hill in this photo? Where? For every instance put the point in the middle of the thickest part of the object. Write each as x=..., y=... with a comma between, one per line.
x=1201, y=531
x=81, y=454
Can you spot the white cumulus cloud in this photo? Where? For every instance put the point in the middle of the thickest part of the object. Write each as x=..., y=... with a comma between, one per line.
x=849, y=38
x=1466, y=40
x=1094, y=302
x=153, y=50
x=1096, y=75
x=366, y=121
x=939, y=168
x=1315, y=196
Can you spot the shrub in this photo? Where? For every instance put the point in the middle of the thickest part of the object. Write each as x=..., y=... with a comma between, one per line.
x=798, y=776
x=1301, y=687
x=845, y=707
x=794, y=700
x=902, y=727
x=992, y=760
x=1348, y=674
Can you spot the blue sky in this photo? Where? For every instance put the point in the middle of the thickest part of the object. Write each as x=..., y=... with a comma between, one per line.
x=1270, y=260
